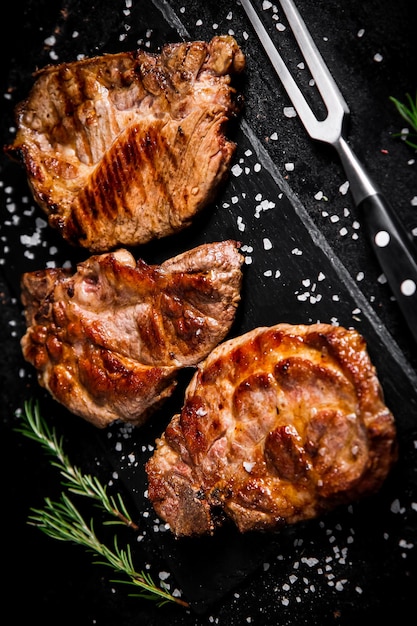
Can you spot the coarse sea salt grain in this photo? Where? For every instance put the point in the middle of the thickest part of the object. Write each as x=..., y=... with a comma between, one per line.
x=290, y=112
x=236, y=170
x=344, y=188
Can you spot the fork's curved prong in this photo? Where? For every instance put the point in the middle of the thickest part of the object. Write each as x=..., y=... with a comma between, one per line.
x=328, y=130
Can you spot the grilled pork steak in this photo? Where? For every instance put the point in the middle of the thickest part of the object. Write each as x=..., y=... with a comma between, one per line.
x=109, y=340
x=124, y=148
x=278, y=425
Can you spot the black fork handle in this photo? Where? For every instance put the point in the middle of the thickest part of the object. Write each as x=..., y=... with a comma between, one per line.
x=396, y=253
x=394, y=249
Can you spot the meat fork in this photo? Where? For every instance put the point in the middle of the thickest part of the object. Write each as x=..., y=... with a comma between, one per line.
x=391, y=243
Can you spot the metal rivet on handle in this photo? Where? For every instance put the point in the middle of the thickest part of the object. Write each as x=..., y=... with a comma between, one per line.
x=408, y=287
x=382, y=239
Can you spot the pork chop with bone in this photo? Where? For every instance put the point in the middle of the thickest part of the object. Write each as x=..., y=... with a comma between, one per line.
x=123, y=148
x=109, y=340
x=278, y=426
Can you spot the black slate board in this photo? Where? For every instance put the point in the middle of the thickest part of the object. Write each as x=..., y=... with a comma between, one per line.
x=357, y=560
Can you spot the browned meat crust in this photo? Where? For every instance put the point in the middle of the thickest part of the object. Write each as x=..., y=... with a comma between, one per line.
x=109, y=340
x=124, y=148
x=278, y=426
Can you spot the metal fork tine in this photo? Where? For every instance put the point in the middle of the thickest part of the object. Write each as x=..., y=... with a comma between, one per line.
x=329, y=129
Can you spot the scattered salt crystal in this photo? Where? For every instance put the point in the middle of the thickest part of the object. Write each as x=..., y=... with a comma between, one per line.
x=236, y=170
x=257, y=167
x=266, y=4
x=50, y=41
x=248, y=466
x=199, y=22
x=296, y=251
x=267, y=243
x=164, y=575
x=266, y=567
x=396, y=507
x=343, y=232
x=344, y=188
x=274, y=136
x=378, y=57
x=26, y=240
x=290, y=112
x=289, y=167
x=318, y=195
x=280, y=27
x=414, y=201
x=361, y=32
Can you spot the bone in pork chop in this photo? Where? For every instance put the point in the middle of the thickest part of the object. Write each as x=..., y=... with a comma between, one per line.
x=278, y=426
x=124, y=148
x=109, y=340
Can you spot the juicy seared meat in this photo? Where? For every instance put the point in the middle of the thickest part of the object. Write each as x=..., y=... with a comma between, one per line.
x=124, y=148
x=109, y=340
x=278, y=425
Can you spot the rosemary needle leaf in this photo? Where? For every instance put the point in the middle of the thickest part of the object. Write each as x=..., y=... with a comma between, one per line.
x=408, y=112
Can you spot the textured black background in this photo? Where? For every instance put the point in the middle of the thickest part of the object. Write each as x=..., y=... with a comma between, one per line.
x=56, y=583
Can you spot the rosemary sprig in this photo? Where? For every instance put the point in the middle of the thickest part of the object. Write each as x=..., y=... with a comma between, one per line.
x=35, y=427
x=61, y=519
x=409, y=113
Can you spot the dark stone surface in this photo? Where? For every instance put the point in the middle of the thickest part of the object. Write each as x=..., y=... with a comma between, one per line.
x=358, y=563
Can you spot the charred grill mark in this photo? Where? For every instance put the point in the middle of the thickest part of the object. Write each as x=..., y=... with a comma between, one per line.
x=73, y=228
